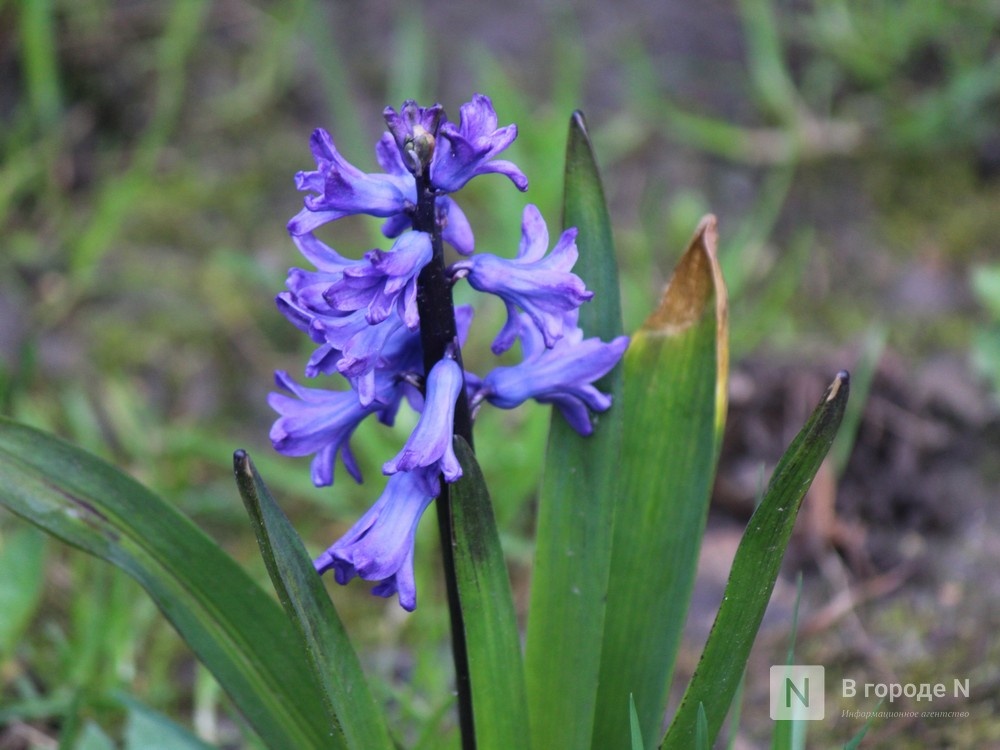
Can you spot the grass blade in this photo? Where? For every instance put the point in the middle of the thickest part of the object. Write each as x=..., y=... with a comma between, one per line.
x=22, y=560
x=701, y=741
x=855, y=742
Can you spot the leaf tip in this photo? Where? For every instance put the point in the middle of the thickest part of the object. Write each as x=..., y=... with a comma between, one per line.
x=244, y=471
x=841, y=381
x=708, y=234
x=696, y=281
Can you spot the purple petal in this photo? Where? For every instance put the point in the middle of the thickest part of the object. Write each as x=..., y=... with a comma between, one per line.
x=455, y=228
x=341, y=189
x=321, y=255
x=385, y=281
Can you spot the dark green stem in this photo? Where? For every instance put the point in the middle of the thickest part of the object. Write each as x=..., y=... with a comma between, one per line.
x=438, y=331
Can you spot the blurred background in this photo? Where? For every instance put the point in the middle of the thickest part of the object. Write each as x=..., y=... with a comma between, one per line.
x=851, y=151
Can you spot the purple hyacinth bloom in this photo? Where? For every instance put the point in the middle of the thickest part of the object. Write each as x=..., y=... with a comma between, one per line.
x=430, y=444
x=384, y=281
x=469, y=148
x=318, y=421
x=379, y=547
x=361, y=353
x=541, y=285
x=561, y=375
x=363, y=318
x=456, y=154
x=343, y=190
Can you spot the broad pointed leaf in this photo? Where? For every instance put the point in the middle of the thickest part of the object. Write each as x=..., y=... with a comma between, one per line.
x=499, y=705
x=576, y=508
x=754, y=572
x=349, y=703
x=231, y=623
x=674, y=402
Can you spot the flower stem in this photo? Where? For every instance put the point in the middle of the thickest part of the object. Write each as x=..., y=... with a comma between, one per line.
x=438, y=331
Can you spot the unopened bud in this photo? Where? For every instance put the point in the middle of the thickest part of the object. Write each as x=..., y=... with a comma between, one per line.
x=418, y=150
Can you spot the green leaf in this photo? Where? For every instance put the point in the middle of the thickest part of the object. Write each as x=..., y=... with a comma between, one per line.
x=635, y=731
x=755, y=570
x=736, y=713
x=22, y=560
x=673, y=406
x=499, y=705
x=349, y=703
x=576, y=506
x=147, y=728
x=701, y=741
x=585, y=208
x=234, y=627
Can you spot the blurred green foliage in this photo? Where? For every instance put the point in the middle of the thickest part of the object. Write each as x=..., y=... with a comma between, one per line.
x=146, y=157
x=986, y=341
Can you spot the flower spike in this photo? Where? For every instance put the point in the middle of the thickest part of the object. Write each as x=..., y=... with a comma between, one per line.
x=366, y=319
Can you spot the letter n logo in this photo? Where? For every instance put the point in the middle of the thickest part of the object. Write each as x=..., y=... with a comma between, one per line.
x=797, y=692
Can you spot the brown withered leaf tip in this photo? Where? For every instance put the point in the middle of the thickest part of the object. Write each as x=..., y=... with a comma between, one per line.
x=693, y=286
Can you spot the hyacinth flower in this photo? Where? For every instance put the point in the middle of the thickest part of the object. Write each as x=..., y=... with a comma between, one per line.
x=560, y=375
x=430, y=444
x=384, y=282
x=541, y=285
x=387, y=323
x=379, y=547
x=318, y=421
